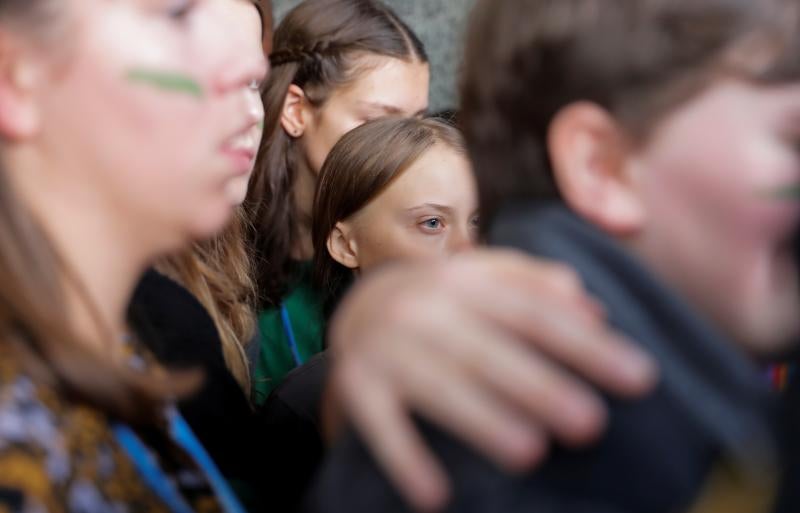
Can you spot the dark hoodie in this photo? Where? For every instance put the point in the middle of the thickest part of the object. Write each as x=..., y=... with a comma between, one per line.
x=705, y=436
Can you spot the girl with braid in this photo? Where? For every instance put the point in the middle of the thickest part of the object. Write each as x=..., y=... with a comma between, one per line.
x=336, y=64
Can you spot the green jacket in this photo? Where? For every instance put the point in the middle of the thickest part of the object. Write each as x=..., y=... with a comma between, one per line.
x=301, y=315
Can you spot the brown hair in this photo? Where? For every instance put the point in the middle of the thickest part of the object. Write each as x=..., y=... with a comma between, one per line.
x=219, y=274
x=528, y=59
x=316, y=47
x=267, y=23
x=35, y=330
x=359, y=167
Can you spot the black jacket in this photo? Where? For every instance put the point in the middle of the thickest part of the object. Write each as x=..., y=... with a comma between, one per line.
x=292, y=415
x=180, y=333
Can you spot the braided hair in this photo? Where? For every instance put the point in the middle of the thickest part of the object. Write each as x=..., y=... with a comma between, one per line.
x=316, y=47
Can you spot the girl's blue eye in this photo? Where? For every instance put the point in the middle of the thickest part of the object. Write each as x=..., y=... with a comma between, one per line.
x=433, y=223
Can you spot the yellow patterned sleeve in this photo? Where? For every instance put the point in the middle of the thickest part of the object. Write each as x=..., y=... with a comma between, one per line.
x=24, y=482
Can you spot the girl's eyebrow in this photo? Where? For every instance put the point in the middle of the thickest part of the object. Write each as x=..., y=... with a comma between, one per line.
x=443, y=209
x=390, y=109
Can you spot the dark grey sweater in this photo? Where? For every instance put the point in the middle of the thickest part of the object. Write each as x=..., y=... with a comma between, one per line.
x=710, y=414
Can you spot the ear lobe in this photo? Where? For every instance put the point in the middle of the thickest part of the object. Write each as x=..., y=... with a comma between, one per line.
x=19, y=78
x=295, y=111
x=342, y=247
x=591, y=160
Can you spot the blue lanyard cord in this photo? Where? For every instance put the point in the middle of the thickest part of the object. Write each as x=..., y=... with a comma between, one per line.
x=153, y=476
x=183, y=435
x=287, y=328
x=158, y=481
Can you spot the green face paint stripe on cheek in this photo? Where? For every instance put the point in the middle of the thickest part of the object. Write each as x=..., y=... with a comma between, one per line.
x=168, y=81
x=789, y=192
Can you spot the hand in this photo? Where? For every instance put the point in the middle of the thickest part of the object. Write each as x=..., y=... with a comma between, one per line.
x=483, y=344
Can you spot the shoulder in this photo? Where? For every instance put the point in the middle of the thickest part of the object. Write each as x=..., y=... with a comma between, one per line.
x=58, y=455
x=624, y=471
x=301, y=390
x=172, y=323
x=35, y=461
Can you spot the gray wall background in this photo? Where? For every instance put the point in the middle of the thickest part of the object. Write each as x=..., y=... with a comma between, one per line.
x=440, y=24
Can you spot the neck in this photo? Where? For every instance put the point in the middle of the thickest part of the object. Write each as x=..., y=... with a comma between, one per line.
x=305, y=187
x=101, y=256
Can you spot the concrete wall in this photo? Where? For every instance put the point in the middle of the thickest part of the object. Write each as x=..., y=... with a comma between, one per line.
x=440, y=24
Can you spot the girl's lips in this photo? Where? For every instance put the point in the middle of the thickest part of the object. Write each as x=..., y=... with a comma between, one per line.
x=242, y=158
x=242, y=147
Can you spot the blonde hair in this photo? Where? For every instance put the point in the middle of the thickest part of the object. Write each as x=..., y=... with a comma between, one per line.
x=218, y=273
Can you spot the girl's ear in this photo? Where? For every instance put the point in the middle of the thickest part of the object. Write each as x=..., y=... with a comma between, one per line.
x=296, y=112
x=21, y=75
x=342, y=246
